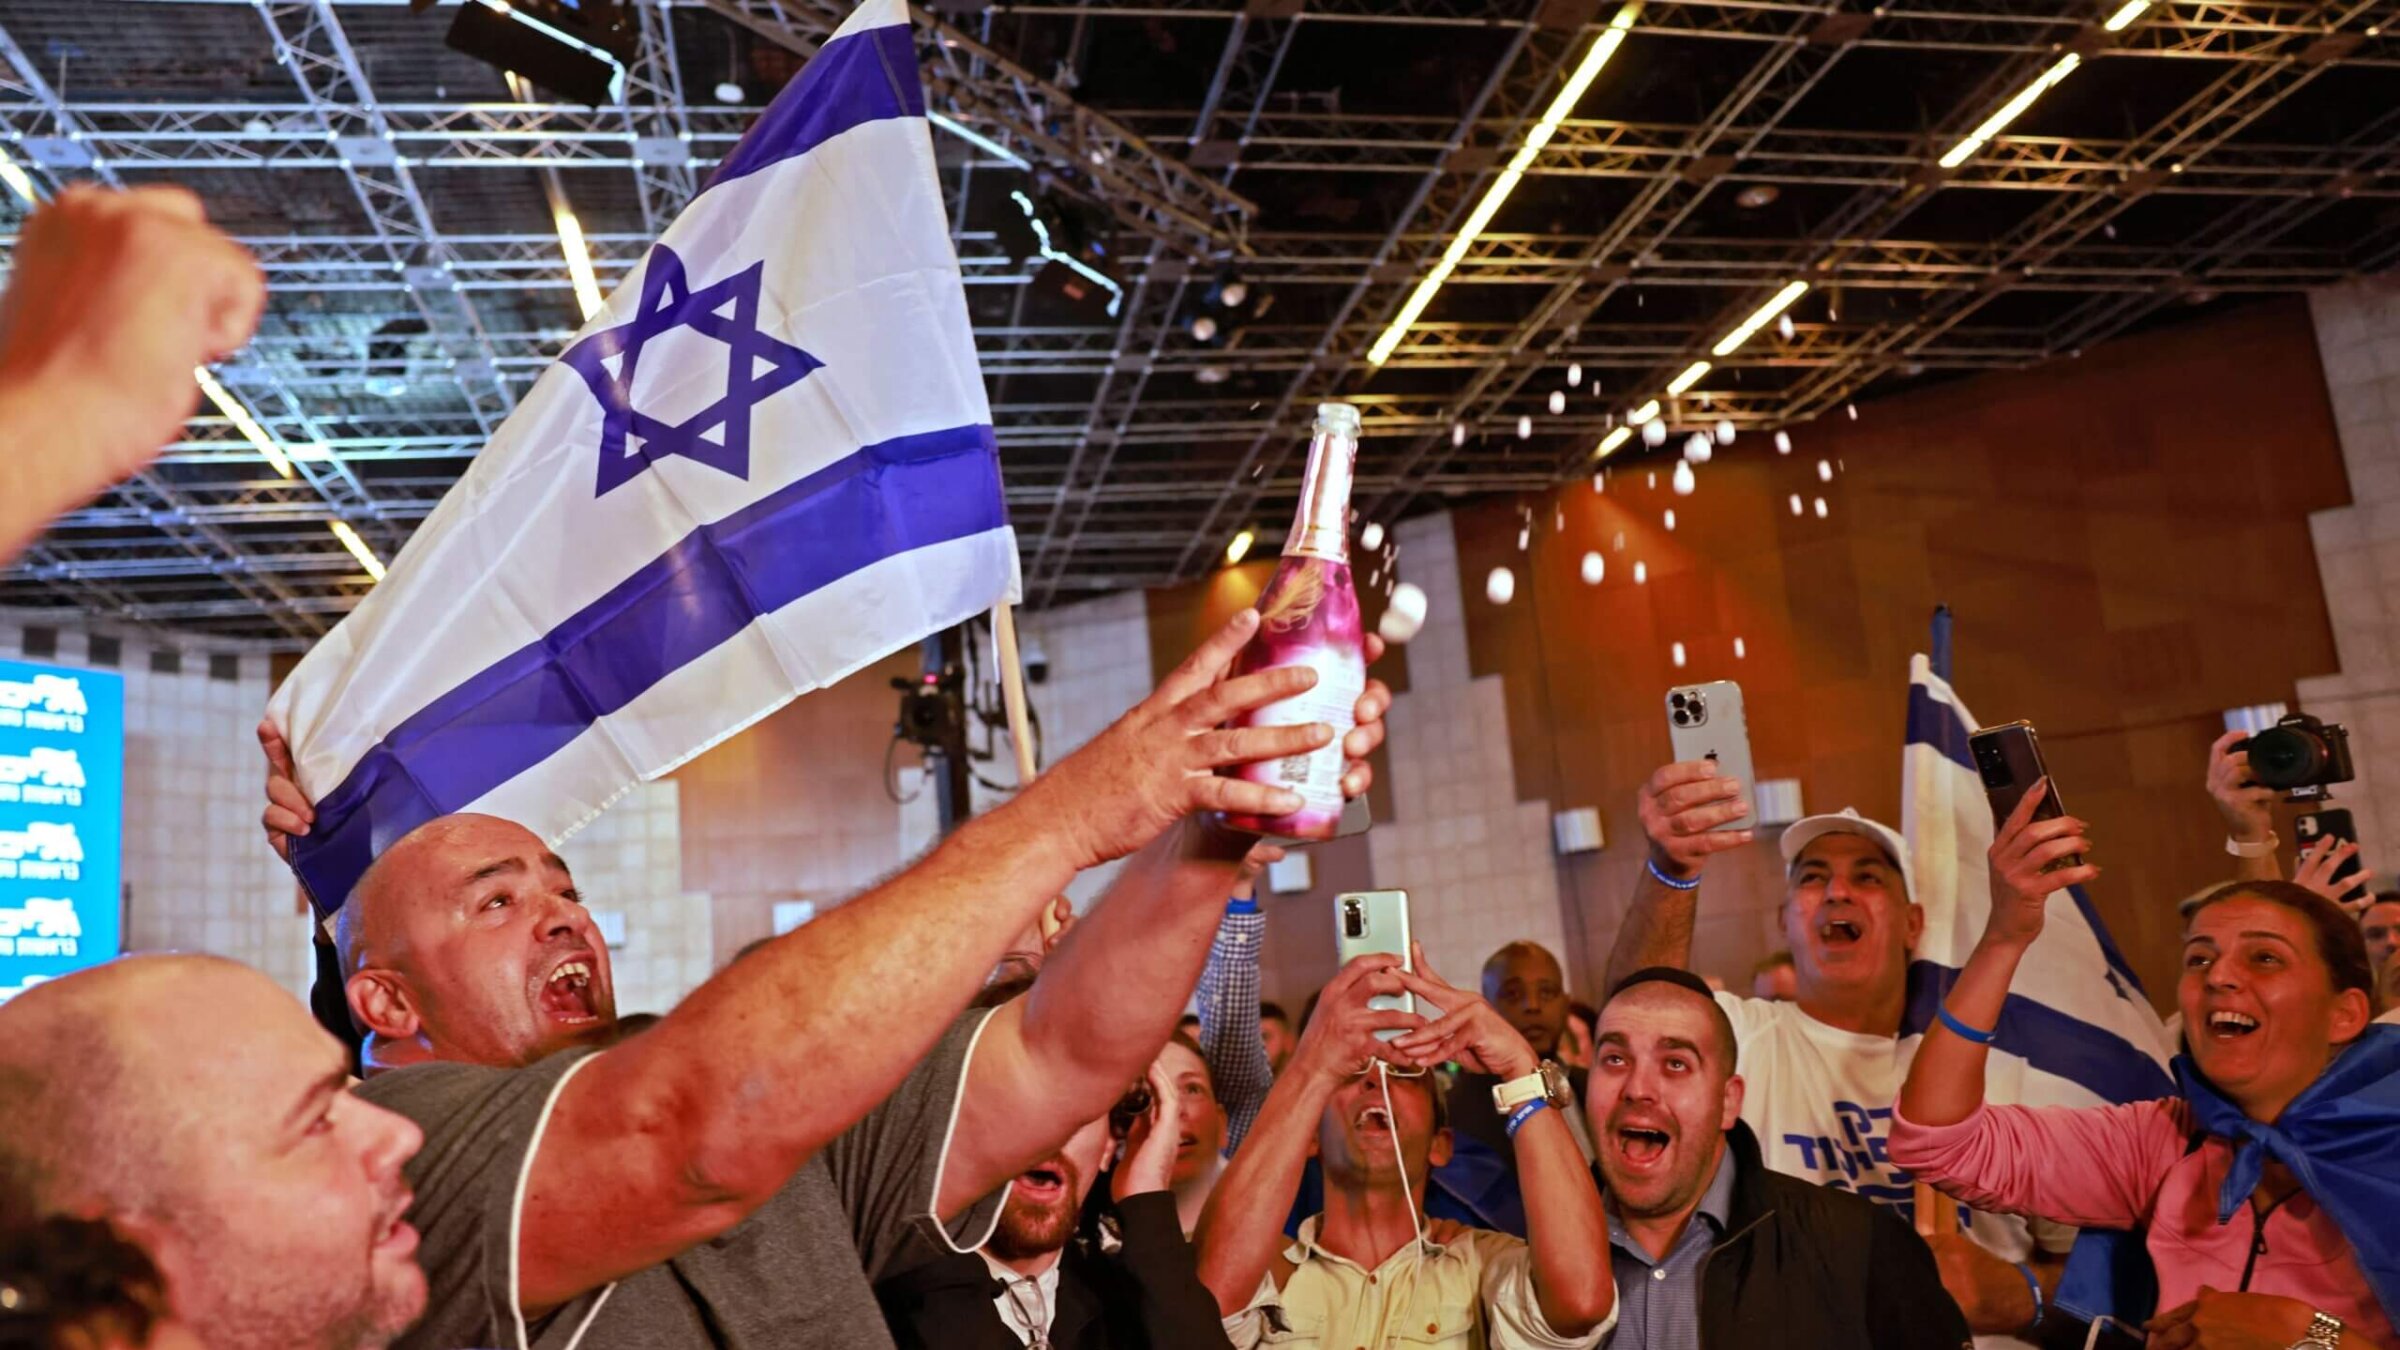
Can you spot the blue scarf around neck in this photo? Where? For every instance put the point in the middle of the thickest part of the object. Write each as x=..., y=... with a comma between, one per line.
x=2340, y=1137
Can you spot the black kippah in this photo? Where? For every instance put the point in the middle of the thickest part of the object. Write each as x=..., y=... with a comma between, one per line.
x=1674, y=975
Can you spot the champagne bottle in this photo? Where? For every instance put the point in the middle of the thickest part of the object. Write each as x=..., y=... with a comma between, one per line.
x=1309, y=617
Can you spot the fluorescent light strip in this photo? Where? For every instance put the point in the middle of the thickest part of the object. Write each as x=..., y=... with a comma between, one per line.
x=1610, y=442
x=2131, y=10
x=1603, y=47
x=358, y=548
x=2011, y=110
x=1766, y=314
x=579, y=256
x=979, y=140
x=243, y=421
x=1642, y=414
x=1690, y=376
x=17, y=182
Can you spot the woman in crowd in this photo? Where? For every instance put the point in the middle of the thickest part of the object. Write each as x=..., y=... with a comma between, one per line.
x=2264, y=1193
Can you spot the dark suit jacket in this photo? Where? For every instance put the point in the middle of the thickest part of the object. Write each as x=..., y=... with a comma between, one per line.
x=1146, y=1295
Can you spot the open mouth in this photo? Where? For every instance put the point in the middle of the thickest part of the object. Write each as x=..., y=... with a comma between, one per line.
x=1041, y=1185
x=1186, y=1142
x=1642, y=1146
x=2226, y=1025
x=1375, y=1123
x=1836, y=933
x=399, y=1236
x=567, y=995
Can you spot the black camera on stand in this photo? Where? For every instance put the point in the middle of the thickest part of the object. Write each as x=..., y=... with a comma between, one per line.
x=2302, y=755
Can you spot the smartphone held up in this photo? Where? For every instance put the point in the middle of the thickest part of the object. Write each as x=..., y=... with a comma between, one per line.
x=2008, y=758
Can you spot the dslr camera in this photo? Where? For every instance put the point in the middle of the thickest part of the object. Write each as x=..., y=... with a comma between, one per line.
x=2302, y=755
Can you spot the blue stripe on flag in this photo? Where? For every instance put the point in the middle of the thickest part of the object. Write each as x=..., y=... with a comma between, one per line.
x=2108, y=945
x=1935, y=723
x=865, y=77
x=883, y=501
x=2102, y=1062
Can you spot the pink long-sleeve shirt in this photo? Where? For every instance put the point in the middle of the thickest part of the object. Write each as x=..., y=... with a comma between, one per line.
x=2132, y=1166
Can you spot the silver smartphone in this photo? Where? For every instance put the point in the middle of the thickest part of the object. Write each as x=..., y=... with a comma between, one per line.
x=1706, y=721
x=1377, y=922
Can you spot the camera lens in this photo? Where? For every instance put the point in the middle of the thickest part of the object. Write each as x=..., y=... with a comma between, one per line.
x=1677, y=700
x=1353, y=924
x=2286, y=757
x=1682, y=718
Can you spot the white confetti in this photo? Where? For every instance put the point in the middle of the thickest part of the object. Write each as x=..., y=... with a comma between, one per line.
x=1650, y=480
x=1371, y=538
x=1724, y=432
x=1641, y=574
x=1558, y=519
x=1783, y=327
x=1524, y=538
x=1670, y=518
x=1524, y=427
x=1600, y=482
x=1739, y=651
x=1458, y=434
x=1501, y=586
x=1677, y=653
x=1654, y=432
x=1684, y=480
x=1619, y=546
x=1558, y=401
x=1796, y=508
x=1699, y=449
x=1783, y=442
x=1594, y=568
x=1404, y=615
x=1852, y=409
x=1820, y=508
x=1824, y=471
x=1574, y=374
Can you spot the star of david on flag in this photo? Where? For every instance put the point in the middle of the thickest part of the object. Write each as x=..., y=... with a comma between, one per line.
x=756, y=366
x=766, y=462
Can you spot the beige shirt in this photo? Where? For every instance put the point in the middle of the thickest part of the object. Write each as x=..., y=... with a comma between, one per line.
x=1471, y=1293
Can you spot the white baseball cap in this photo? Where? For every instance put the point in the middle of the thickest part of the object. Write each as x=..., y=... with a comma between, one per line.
x=1801, y=833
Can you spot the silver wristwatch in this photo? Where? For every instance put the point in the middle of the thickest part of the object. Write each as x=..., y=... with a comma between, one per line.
x=2324, y=1333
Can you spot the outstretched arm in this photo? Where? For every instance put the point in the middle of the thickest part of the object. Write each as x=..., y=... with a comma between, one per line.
x=1945, y=1083
x=1241, y=1230
x=1109, y=997
x=113, y=298
x=1565, y=1229
x=2249, y=809
x=1680, y=808
x=1230, y=1037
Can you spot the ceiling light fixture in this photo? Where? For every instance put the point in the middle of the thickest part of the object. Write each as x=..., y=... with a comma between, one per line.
x=2011, y=110
x=1781, y=301
x=1610, y=442
x=243, y=421
x=1603, y=47
x=579, y=257
x=358, y=548
x=2125, y=15
x=1690, y=376
x=1240, y=547
x=1642, y=414
x=14, y=176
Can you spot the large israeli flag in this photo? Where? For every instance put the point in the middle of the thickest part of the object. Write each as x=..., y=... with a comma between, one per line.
x=2076, y=1016
x=767, y=462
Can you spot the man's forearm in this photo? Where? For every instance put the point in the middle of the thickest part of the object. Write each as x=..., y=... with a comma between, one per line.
x=790, y=1046
x=1109, y=997
x=1243, y=1224
x=1657, y=930
x=1565, y=1227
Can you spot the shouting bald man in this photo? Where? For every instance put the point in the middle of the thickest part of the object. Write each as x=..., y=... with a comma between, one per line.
x=819, y=1114
x=194, y=1103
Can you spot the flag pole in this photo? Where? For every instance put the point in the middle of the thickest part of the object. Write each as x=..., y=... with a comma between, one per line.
x=1056, y=916
x=1012, y=690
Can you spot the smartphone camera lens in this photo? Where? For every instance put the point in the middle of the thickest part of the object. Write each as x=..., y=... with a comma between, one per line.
x=1682, y=718
x=1353, y=922
x=1676, y=699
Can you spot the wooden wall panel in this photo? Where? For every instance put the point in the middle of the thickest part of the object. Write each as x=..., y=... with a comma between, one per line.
x=2123, y=537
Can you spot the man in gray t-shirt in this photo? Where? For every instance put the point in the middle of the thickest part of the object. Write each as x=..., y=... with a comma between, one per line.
x=816, y=1107
x=795, y=1272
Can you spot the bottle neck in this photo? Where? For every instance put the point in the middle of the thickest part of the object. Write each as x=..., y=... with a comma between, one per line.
x=1321, y=528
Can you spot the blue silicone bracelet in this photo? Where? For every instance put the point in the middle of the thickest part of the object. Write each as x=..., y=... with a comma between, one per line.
x=1238, y=905
x=1668, y=881
x=2035, y=1285
x=1524, y=1113
x=1962, y=1029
